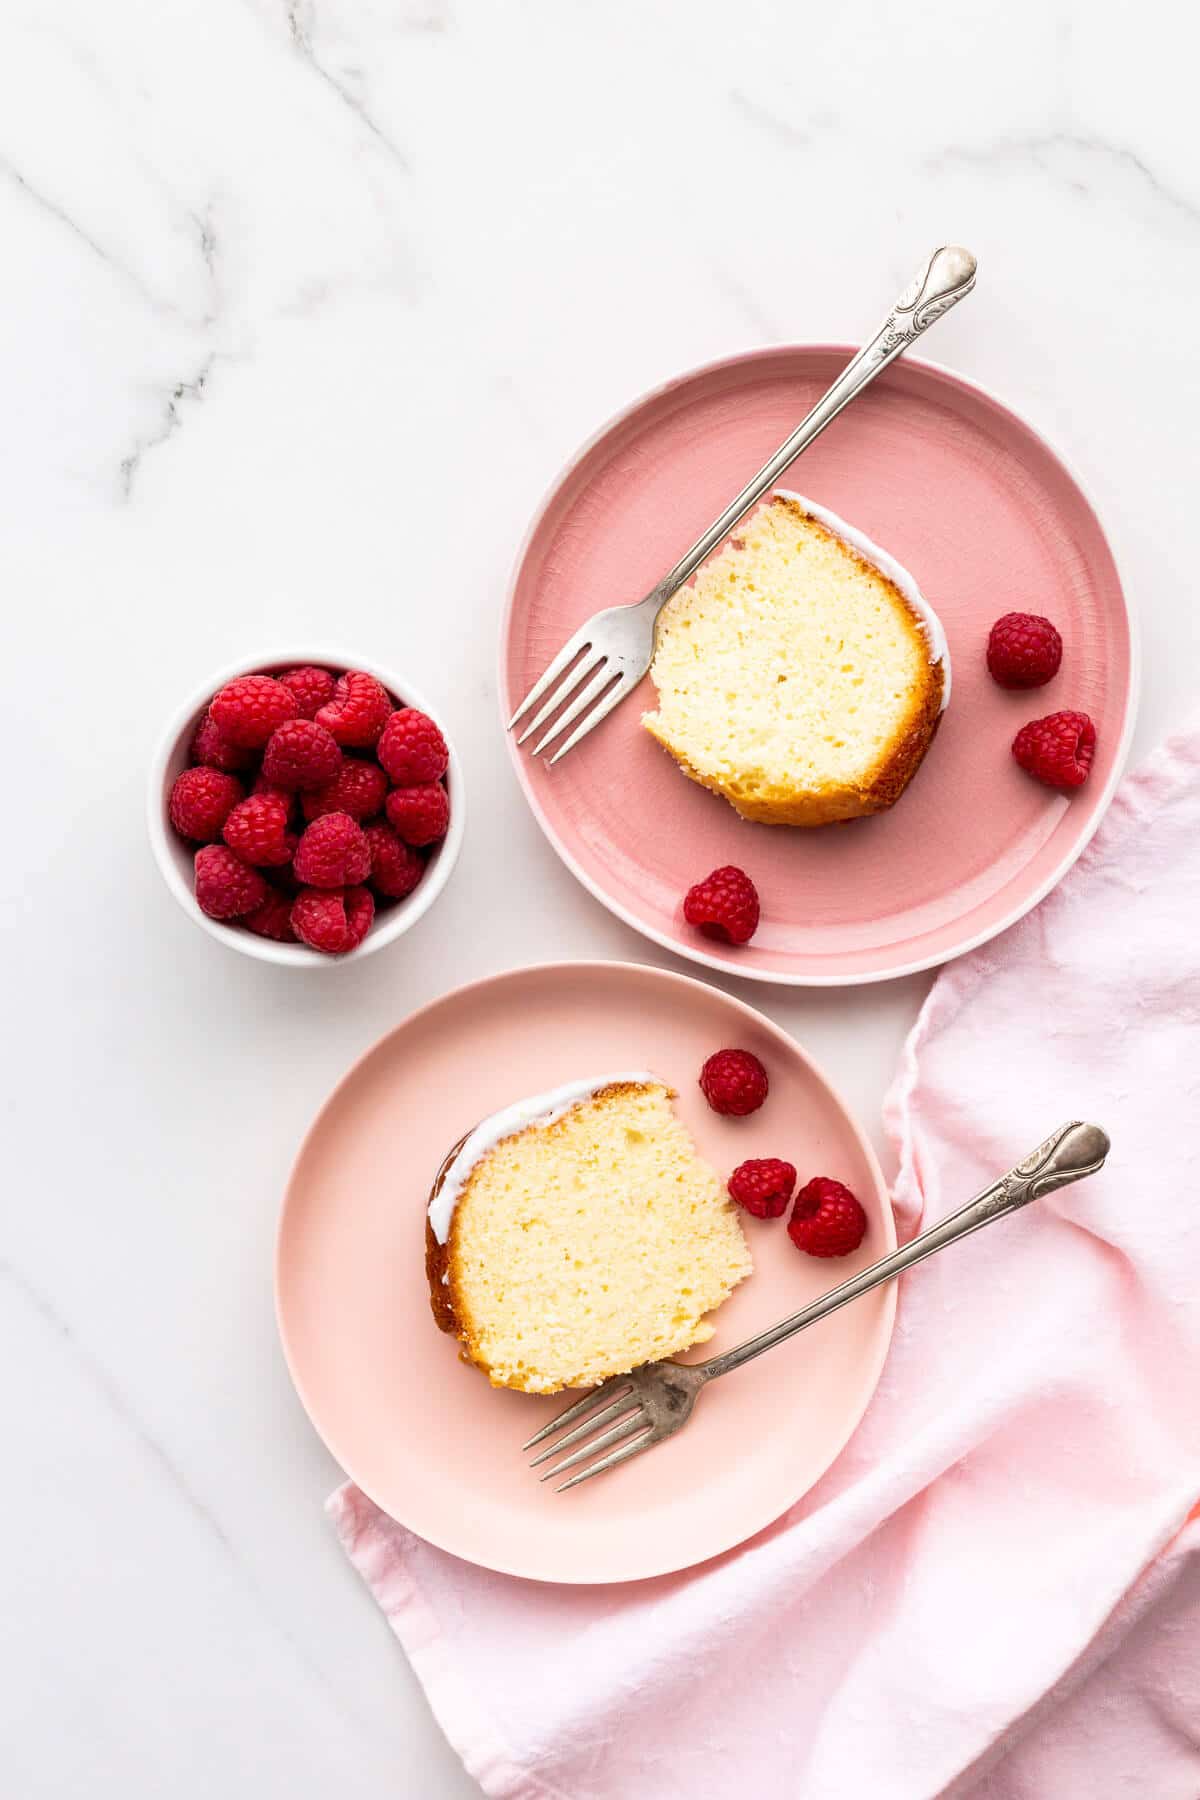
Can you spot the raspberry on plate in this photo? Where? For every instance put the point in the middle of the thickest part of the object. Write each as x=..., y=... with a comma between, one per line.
x=763, y=1186
x=359, y=788
x=734, y=1082
x=332, y=920
x=827, y=1220
x=273, y=919
x=358, y=710
x=225, y=887
x=311, y=689
x=301, y=754
x=1058, y=749
x=246, y=711
x=257, y=831
x=724, y=905
x=1023, y=650
x=420, y=815
x=395, y=866
x=201, y=801
x=332, y=853
x=412, y=749
x=210, y=746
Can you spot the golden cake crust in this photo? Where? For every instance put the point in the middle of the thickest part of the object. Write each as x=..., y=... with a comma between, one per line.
x=881, y=785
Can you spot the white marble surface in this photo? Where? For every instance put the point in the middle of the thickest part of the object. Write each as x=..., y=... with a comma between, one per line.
x=294, y=296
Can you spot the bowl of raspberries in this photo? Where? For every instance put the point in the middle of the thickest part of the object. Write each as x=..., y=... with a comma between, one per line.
x=304, y=809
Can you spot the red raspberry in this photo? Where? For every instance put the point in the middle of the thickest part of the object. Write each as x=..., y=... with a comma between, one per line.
x=724, y=905
x=301, y=754
x=358, y=710
x=333, y=853
x=310, y=688
x=412, y=749
x=201, y=801
x=827, y=1220
x=359, y=788
x=246, y=711
x=734, y=1082
x=395, y=866
x=334, y=920
x=1023, y=650
x=225, y=887
x=273, y=919
x=257, y=831
x=420, y=815
x=1057, y=749
x=211, y=747
x=763, y=1186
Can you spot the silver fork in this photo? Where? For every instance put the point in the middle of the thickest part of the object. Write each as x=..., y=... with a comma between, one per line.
x=613, y=649
x=655, y=1401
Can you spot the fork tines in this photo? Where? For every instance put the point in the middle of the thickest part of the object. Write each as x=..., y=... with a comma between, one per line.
x=579, y=661
x=620, y=1408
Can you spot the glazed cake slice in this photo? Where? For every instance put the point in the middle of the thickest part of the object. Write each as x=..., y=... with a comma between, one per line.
x=801, y=675
x=578, y=1235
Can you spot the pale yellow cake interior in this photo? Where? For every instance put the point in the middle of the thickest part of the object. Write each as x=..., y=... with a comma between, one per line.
x=583, y=1248
x=791, y=673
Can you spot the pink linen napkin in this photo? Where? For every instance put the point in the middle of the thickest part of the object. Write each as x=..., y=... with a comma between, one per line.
x=995, y=1591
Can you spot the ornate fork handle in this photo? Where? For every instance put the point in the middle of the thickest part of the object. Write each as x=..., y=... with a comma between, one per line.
x=947, y=277
x=1075, y=1150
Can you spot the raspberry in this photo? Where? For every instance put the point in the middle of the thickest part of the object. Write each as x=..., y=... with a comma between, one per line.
x=211, y=747
x=257, y=831
x=357, y=712
x=332, y=921
x=200, y=803
x=412, y=749
x=724, y=905
x=310, y=688
x=273, y=919
x=420, y=815
x=301, y=754
x=1057, y=749
x=763, y=1186
x=359, y=788
x=1023, y=650
x=360, y=911
x=734, y=1082
x=333, y=853
x=395, y=866
x=246, y=711
x=827, y=1220
x=225, y=887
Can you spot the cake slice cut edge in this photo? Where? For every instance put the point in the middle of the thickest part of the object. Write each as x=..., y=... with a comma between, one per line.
x=801, y=675
x=587, y=1241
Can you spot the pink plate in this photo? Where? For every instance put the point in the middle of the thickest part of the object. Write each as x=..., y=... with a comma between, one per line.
x=986, y=517
x=423, y=1433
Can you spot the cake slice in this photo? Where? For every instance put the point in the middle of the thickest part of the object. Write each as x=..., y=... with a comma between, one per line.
x=801, y=675
x=578, y=1235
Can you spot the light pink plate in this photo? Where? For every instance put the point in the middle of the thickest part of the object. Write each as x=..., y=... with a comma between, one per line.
x=424, y=1434
x=989, y=521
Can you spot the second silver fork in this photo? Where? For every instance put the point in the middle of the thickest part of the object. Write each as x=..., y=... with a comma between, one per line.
x=609, y=654
x=654, y=1402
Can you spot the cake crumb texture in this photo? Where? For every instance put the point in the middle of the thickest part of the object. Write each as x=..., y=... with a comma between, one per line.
x=585, y=1247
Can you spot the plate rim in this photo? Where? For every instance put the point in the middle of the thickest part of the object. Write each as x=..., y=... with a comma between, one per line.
x=696, y=953
x=674, y=977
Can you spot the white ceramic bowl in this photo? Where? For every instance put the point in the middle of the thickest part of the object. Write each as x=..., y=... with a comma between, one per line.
x=175, y=857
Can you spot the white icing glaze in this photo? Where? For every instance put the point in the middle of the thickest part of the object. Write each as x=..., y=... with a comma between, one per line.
x=939, y=649
x=539, y=1109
